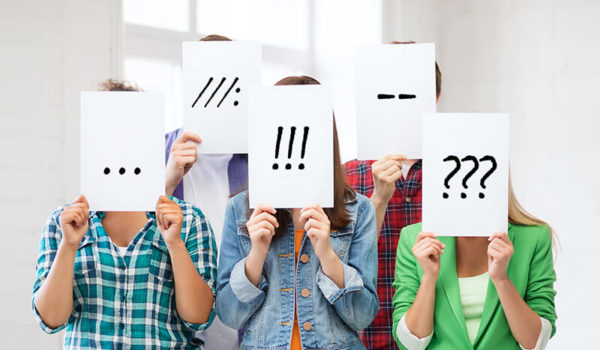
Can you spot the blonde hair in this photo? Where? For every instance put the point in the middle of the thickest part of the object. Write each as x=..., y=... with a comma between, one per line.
x=519, y=216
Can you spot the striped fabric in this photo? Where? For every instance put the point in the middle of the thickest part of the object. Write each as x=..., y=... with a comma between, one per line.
x=128, y=302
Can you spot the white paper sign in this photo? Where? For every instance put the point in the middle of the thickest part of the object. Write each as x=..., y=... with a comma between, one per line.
x=465, y=173
x=122, y=150
x=216, y=78
x=395, y=85
x=290, y=161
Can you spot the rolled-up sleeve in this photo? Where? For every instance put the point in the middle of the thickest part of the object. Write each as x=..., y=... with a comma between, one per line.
x=357, y=303
x=540, y=292
x=51, y=237
x=201, y=246
x=237, y=298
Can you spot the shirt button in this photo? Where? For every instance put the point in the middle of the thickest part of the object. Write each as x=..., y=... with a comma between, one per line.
x=408, y=199
x=122, y=325
x=304, y=258
x=307, y=326
x=305, y=292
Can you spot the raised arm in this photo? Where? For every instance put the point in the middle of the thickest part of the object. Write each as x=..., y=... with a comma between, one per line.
x=193, y=296
x=53, y=299
x=386, y=172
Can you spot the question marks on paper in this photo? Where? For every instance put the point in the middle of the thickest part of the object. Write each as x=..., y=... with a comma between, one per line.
x=288, y=166
x=458, y=163
x=214, y=92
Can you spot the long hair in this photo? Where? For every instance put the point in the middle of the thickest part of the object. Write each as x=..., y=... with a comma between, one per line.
x=519, y=216
x=338, y=216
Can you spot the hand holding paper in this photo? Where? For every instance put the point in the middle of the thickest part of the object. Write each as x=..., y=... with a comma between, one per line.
x=169, y=219
x=74, y=221
x=181, y=160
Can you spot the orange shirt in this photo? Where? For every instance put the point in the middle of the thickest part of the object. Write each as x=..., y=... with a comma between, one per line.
x=296, y=345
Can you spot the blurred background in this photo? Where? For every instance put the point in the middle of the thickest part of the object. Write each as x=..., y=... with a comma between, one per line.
x=538, y=60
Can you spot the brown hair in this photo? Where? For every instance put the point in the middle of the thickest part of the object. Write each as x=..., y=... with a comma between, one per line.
x=215, y=37
x=338, y=216
x=118, y=85
x=438, y=72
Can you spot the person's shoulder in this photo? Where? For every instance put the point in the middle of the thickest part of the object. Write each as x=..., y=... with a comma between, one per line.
x=411, y=232
x=356, y=165
x=531, y=234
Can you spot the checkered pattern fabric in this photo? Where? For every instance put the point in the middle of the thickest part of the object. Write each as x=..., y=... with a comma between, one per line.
x=128, y=302
x=403, y=209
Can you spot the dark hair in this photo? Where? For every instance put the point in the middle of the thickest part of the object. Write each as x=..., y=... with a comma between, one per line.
x=118, y=85
x=438, y=72
x=338, y=216
x=215, y=37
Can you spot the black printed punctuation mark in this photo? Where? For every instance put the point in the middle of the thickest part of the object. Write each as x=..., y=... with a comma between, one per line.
x=279, y=132
x=210, y=80
x=488, y=173
x=400, y=96
x=301, y=166
x=469, y=174
x=452, y=173
x=122, y=171
x=288, y=166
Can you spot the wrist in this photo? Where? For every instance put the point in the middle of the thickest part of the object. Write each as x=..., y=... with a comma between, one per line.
x=378, y=201
x=69, y=246
x=429, y=279
x=329, y=259
x=258, y=253
x=500, y=281
x=175, y=245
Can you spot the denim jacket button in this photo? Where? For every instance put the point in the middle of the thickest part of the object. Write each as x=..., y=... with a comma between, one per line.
x=304, y=258
x=307, y=326
x=305, y=292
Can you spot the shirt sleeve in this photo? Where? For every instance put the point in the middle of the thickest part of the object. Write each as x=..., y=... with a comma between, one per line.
x=357, y=303
x=409, y=340
x=237, y=298
x=544, y=336
x=406, y=278
x=51, y=237
x=540, y=292
x=202, y=248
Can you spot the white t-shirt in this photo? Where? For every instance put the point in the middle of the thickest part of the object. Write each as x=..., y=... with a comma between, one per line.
x=206, y=186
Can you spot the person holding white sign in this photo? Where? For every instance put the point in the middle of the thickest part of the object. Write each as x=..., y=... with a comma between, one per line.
x=205, y=180
x=393, y=184
x=126, y=279
x=300, y=278
x=492, y=292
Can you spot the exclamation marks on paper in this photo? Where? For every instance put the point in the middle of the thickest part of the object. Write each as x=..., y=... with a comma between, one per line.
x=288, y=165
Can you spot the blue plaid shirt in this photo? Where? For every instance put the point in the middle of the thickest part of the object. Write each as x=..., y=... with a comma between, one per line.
x=128, y=302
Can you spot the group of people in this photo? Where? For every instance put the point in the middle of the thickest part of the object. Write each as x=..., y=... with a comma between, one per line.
x=206, y=271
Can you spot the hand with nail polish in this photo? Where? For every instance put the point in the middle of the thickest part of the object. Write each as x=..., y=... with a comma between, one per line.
x=428, y=250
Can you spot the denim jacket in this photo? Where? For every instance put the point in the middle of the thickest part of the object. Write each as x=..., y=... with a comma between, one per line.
x=328, y=317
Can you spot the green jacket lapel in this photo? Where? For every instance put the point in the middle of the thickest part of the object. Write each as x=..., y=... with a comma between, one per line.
x=449, y=281
x=491, y=300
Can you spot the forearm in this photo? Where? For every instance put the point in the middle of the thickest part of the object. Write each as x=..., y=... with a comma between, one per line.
x=254, y=265
x=54, y=299
x=170, y=188
x=380, y=206
x=332, y=268
x=524, y=323
x=193, y=297
x=419, y=317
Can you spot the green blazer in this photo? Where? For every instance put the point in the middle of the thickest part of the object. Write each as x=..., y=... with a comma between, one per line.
x=530, y=269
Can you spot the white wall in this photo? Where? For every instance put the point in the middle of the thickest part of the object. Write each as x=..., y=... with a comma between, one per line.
x=51, y=49
x=539, y=61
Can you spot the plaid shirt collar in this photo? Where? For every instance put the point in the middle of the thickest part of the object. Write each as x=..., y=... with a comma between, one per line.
x=97, y=232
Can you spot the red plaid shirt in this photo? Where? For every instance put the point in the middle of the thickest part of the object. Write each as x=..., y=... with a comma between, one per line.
x=403, y=209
